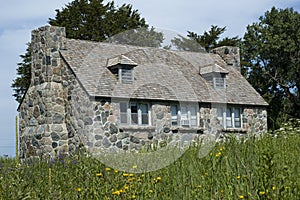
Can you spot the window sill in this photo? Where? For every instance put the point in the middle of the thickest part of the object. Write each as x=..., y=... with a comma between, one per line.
x=234, y=130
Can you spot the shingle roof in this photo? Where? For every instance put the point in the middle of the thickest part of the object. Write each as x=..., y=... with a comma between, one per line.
x=159, y=74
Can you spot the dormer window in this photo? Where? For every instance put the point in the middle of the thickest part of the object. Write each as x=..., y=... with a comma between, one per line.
x=219, y=81
x=215, y=75
x=125, y=75
x=122, y=67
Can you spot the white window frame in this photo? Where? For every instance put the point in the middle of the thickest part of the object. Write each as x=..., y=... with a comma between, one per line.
x=231, y=118
x=126, y=75
x=139, y=114
x=184, y=116
x=219, y=82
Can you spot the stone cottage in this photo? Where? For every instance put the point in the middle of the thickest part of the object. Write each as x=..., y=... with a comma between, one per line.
x=113, y=96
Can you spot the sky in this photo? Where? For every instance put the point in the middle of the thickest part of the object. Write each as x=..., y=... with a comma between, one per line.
x=19, y=17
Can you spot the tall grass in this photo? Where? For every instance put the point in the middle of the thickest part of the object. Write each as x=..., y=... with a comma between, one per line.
x=252, y=168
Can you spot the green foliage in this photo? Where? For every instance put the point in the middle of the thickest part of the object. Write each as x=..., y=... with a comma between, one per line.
x=92, y=20
x=271, y=55
x=22, y=82
x=249, y=168
x=208, y=40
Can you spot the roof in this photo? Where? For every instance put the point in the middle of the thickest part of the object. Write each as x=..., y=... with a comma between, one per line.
x=159, y=74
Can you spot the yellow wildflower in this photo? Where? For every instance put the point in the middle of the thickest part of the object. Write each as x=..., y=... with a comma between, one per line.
x=78, y=189
x=116, y=171
x=241, y=197
x=238, y=177
x=116, y=192
x=262, y=192
x=158, y=178
x=218, y=154
x=131, y=174
x=125, y=174
x=126, y=187
x=274, y=188
x=150, y=191
x=107, y=169
x=133, y=196
x=134, y=167
x=99, y=174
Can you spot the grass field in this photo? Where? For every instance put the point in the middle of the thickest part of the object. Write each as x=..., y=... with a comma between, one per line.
x=255, y=168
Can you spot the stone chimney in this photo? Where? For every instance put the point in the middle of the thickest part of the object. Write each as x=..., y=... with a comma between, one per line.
x=42, y=112
x=231, y=55
x=46, y=41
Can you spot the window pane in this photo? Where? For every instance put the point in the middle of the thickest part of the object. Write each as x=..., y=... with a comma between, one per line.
x=123, y=107
x=144, y=110
x=134, y=118
x=228, y=118
x=145, y=119
x=134, y=113
x=237, y=117
x=174, y=113
x=123, y=118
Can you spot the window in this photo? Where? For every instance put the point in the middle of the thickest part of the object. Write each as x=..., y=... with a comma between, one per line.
x=125, y=75
x=134, y=113
x=229, y=117
x=184, y=115
x=219, y=82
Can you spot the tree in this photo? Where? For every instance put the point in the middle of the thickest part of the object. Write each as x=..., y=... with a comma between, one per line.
x=88, y=20
x=209, y=40
x=22, y=82
x=271, y=53
x=91, y=20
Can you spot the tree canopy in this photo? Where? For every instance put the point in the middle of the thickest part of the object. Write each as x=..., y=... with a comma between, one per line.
x=208, y=40
x=92, y=20
x=271, y=54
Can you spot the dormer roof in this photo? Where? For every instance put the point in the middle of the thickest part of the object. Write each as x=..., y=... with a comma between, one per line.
x=214, y=68
x=120, y=60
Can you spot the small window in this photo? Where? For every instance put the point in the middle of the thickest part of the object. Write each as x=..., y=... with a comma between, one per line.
x=126, y=75
x=135, y=114
x=232, y=117
x=219, y=82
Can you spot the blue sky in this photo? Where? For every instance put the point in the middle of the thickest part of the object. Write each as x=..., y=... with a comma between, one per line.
x=19, y=17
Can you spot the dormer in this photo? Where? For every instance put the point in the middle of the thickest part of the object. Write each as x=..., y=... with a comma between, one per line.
x=122, y=67
x=215, y=75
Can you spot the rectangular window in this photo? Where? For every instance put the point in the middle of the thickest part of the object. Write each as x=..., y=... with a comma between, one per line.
x=232, y=117
x=184, y=115
x=126, y=75
x=219, y=82
x=123, y=113
x=135, y=114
